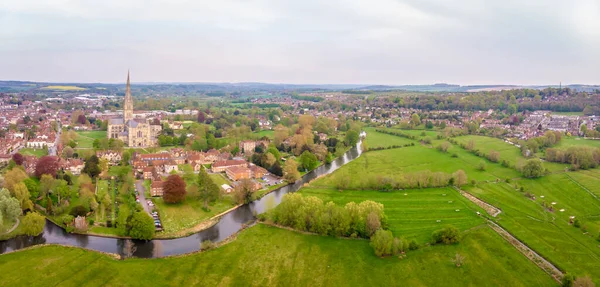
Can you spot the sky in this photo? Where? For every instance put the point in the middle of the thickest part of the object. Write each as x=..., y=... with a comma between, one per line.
x=388, y=42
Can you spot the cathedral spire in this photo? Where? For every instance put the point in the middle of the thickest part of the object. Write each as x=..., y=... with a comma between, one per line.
x=128, y=105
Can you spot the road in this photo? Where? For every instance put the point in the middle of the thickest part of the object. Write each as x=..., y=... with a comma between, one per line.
x=52, y=150
x=139, y=185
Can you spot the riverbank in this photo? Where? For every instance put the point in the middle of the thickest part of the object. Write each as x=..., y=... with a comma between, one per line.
x=12, y=232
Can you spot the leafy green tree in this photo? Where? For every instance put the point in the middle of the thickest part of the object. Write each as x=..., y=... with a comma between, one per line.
x=382, y=242
x=10, y=208
x=567, y=280
x=243, y=191
x=208, y=190
x=141, y=226
x=447, y=235
x=290, y=171
x=415, y=120
x=92, y=166
x=22, y=195
x=33, y=223
x=533, y=168
x=308, y=161
x=351, y=138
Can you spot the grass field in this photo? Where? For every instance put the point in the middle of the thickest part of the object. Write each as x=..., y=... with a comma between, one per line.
x=263, y=133
x=268, y=256
x=508, y=152
x=64, y=88
x=85, y=139
x=414, y=159
x=412, y=214
x=376, y=139
x=575, y=141
x=35, y=152
x=549, y=233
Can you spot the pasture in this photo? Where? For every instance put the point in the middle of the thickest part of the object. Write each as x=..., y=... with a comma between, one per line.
x=376, y=139
x=268, y=256
x=85, y=139
x=413, y=214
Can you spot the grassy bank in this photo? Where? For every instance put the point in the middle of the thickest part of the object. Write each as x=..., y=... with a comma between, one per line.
x=267, y=256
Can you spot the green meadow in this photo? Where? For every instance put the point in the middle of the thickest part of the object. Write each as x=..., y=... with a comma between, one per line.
x=269, y=256
x=376, y=139
x=85, y=139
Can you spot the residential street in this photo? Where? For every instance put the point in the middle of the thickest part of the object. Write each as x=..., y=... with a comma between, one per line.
x=139, y=185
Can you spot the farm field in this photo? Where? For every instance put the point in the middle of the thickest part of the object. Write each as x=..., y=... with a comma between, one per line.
x=264, y=255
x=414, y=213
x=550, y=233
x=85, y=139
x=588, y=179
x=63, y=88
x=376, y=139
x=34, y=152
x=508, y=152
x=414, y=159
x=575, y=141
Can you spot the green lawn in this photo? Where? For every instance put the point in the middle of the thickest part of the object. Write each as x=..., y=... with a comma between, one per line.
x=268, y=256
x=412, y=213
x=264, y=133
x=179, y=217
x=376, y=139
x=35, y=152
x=85, y=139
x=576, y=141
x=549, y=233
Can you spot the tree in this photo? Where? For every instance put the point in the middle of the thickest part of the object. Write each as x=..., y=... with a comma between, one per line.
x=382, y=242
x=308, y=161
x=460, y=178
x=47, y=183
x=13, y=177
x=141, y=226
x=47, y=165
x=18, y=158
x=583, y=129
x=481, y=166
x=208, y=190
x=81, y=119
x=92, y=166
x=68, y=152
x=447, y=235
x=533, y=168
x=415, y=120
x=494, y=156
x=22, y=195
x=174, y=189
x=33, y=223
x=243, y=191
x=373, y=223
x=281, y=133
x=351, y=138
x=201, y=117
x=567, y=280
x=10, y=208
x=444, y=146
x=290, y=171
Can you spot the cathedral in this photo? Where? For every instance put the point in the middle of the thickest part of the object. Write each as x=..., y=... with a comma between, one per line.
x=133, y=132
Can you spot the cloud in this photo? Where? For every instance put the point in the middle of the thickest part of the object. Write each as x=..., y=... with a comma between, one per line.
x=336, y=41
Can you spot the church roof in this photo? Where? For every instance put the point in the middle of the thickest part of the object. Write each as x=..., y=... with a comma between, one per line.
x=132, y=123
x=118, y=121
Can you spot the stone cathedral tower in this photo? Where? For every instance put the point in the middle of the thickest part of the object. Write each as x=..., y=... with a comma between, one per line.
x=128, y=106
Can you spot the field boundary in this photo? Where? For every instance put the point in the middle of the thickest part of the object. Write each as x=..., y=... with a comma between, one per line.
x=528, y=252
x=490, y=209
x=581, y=186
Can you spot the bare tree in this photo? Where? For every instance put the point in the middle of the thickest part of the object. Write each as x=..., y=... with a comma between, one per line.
x=458, y=260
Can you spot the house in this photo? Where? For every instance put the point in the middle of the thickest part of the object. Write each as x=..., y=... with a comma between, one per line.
x=148, y=172
x=238, y=172
x=170, y=166
x=247, y=146
x=156, y=188
x=221, y=166
x=113, y=157
x=75, y=166
x=227, y=188
x=257, y=171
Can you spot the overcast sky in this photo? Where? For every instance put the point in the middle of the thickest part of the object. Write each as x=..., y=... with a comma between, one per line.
x=303, y=41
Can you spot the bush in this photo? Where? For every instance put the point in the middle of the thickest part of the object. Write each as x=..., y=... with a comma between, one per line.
x=382, y=242
x=413, y=245
x=207, y=245
x=576, y=223
x=447, y=235
x=141, y=226
x=79, y=210
x=67, y=219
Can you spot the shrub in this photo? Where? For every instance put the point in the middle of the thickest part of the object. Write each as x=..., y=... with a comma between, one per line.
x=447, y=235
x=79, y=210
x=568, y=280
x=413, y=245
x=207, y=245
x=576, y=223
x=382, y=242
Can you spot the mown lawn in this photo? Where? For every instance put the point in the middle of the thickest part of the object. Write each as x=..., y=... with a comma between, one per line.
x=376, y=139
x=268, y=256
x=412, y=214
x=35, y=152
x=550, y=233
x=85, y=139
x=264, y=133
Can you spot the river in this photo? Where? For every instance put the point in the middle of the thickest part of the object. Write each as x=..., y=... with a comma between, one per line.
x=227, y=225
